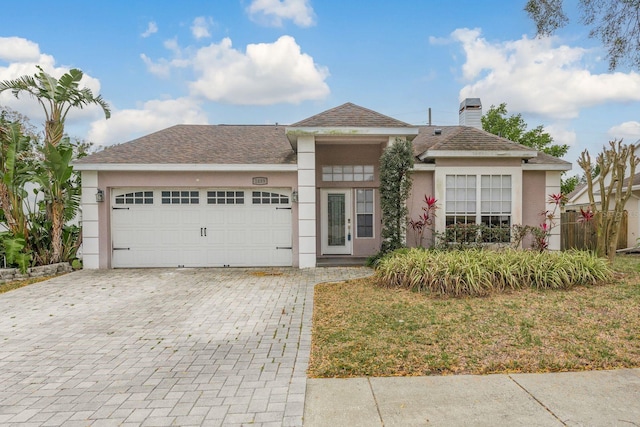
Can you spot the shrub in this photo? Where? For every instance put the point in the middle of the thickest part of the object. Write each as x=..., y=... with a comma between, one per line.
x=481, y=272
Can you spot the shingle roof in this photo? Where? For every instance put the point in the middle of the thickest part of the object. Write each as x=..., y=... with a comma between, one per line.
x=350, y=115
x=203, y=144
x=268, y=144
x=462, y=138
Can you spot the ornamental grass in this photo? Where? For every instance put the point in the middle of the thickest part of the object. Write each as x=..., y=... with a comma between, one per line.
x=478, y=272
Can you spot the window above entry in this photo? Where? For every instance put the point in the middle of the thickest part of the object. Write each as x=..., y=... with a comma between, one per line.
x=347, y=173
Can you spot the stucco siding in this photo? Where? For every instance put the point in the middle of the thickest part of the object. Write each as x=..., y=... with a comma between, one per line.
x=422, y=186
x=533, y=200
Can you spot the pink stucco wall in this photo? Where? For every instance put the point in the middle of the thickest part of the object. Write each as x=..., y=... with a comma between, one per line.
x=533, y=200
x=422, y=186
x=191, y=180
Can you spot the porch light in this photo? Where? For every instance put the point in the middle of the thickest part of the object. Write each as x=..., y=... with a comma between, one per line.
x=99, y=195
x=294, y=196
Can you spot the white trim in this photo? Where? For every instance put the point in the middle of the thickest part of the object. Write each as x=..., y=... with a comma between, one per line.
x=477, y=153
x=424, y=167
x=183, y=167
x=356, y=213
x=294, y=132
x=516, y=188
x=546, y=167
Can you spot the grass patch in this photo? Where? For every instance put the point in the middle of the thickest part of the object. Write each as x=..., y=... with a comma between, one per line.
x=360, y=329
x=9, y=286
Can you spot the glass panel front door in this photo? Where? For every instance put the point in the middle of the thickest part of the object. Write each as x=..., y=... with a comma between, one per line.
x=336, y=222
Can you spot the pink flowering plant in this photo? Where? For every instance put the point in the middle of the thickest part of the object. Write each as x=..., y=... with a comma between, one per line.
x=425, y=219
x=542, y=234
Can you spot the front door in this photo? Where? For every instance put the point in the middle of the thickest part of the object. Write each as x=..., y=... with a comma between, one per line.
x=336, y=222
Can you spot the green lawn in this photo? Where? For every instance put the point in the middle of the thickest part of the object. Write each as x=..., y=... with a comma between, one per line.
x=360, y=329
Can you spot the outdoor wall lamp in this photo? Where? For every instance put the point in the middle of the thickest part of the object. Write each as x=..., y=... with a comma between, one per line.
x=99, y=195
x=294, y=196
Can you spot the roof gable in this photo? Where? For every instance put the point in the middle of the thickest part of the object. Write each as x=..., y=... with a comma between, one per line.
x=350, y=115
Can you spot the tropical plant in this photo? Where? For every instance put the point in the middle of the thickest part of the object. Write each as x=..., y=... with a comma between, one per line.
x=57, y=97
x=15, y=160
x=396, y=165
x=425, y=219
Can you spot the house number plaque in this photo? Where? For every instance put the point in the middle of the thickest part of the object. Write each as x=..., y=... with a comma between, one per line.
x=260, y=180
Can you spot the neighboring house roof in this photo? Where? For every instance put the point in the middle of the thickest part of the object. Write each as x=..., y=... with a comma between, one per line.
x=350, y=115
x=576, y=191
x=203, y=144
x=634, y=182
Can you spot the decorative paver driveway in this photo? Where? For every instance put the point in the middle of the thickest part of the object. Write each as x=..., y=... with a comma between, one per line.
x=159, y=347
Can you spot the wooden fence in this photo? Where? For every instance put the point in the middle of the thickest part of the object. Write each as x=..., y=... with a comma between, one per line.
x=578, y=235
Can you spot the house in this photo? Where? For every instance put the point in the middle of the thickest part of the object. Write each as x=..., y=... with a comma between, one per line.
x=273, y=195
x=579, y=199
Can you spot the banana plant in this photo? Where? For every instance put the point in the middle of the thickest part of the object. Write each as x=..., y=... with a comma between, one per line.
x=57, y=97
x=15, y=162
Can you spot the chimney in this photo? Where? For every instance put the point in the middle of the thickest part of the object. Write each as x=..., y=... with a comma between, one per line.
x=470, y=113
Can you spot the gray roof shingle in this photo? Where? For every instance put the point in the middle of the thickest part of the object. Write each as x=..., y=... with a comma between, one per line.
x=203, y=144
x=350, y=115
x=268, y=144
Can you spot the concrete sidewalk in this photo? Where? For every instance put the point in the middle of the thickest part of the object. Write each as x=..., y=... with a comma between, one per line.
x=596, y=398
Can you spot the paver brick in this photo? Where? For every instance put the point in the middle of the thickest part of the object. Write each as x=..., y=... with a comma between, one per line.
x=159, y=347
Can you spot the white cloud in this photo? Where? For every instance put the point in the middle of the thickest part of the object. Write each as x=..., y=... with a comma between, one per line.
x=268, y=73
x=17, y=49
x=273, y=12
x=128, y=124
x=628, y=131
x=162, y=67
x=537, y=76
x=152, y=28
x=200, y=27
x=561, y=135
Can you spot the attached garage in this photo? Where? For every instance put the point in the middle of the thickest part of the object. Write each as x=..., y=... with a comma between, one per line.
x=216, y=227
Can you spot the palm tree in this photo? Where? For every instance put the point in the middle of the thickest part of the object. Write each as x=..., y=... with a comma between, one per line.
x=57, y=97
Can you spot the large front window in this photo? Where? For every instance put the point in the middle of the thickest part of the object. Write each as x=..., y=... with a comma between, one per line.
x=478, y=207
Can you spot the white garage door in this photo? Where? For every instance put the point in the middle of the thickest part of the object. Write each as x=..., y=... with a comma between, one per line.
x=200, y=228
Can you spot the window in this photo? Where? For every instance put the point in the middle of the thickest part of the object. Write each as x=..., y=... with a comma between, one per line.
x=488, y=221
x=137, y=198
x=266, y=198
x=364, y=212
x=342, y=173
x=180, y=197
x=225, y=197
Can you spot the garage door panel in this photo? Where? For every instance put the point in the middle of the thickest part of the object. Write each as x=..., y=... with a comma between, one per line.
x=210, y=233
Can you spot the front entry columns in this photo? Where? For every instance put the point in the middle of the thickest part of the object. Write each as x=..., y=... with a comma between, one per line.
x=307, y=201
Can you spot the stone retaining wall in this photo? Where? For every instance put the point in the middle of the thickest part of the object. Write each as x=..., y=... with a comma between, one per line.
x=10, y=274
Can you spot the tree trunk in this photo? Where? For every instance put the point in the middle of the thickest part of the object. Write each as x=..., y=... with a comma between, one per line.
x=57, y=223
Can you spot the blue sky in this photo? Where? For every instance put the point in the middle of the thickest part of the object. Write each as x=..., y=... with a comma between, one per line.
x=159, y=63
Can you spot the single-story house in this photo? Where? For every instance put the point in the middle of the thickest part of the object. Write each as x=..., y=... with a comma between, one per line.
x=274, y=195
